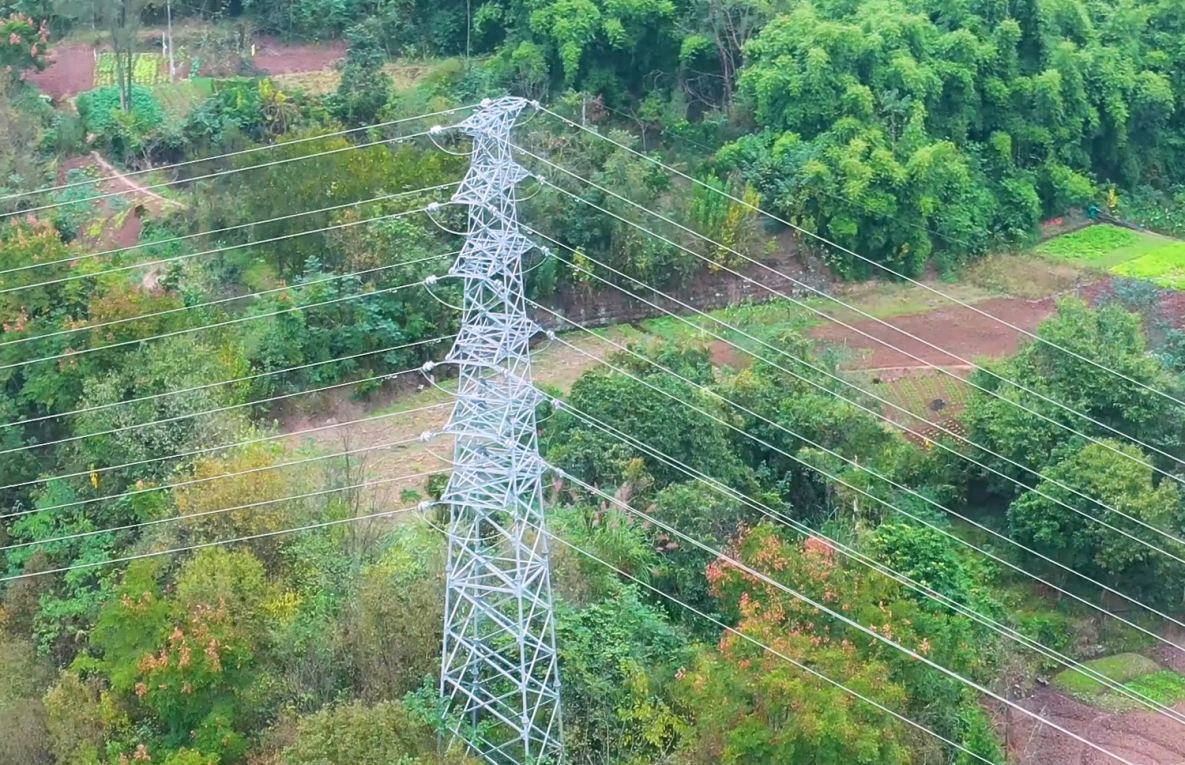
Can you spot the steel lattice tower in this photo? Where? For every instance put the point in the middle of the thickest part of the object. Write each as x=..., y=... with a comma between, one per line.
x=499, y=664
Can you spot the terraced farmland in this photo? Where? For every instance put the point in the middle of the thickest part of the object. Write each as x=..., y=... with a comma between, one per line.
x=926, y=396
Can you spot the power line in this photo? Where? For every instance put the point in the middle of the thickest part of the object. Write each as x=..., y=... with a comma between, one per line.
x=853, y=624
x=216, y=250
x=249, y=442
x=872, y=564
x=212, y=232
x=188, y=415
x=206, y=386
x=771, y=216
x=228, y=155
x=885, y=343
x=773, y=651
x=883, y=478
x=218, y=174
x=221, y=301
x=72, y=354
x=189, y=548
x=207, y=513
x=881, y=415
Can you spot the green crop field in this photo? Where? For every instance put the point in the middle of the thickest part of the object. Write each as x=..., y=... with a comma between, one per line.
x=1122, y=252
x=147, y=69
x=1165, y=266
x=1102, y=246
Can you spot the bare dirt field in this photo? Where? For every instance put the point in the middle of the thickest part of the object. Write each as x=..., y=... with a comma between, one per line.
x=71, y=71
x=959, y=330
x=275, y=57
x=1141, y=738
x=965, y=334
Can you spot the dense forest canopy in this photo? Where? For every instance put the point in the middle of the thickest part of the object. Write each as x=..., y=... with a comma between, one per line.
x=183, y=359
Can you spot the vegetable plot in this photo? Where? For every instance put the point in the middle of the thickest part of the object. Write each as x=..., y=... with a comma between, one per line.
x=147, y=69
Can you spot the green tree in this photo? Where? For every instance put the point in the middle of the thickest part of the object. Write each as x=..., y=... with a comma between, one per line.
x=364, y=87
x=618, y=658
x=382, y=734
x=190, y=656
x=1109, y=337
x=1125, y=482
x=753, y=706
x=651, y=406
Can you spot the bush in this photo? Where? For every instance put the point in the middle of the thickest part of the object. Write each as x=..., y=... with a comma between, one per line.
x=120, y=133
x=99, y=109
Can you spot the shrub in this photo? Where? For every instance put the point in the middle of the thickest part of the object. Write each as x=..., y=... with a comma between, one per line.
x=99, y=109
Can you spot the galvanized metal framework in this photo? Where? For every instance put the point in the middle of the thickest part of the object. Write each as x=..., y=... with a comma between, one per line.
x=499, y=665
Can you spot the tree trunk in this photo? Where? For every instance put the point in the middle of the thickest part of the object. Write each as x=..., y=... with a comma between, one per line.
x=124, y=96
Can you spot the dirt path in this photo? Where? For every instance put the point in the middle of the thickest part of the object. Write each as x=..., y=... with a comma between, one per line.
x=1142, y=738
x=112, y=173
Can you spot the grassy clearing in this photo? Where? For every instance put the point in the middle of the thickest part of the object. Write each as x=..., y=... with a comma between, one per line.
x=1025, y=276
x=405, y=76
x=1122, y=668
x=768, y=321
x=1164, y=266
x=1134, y=672
x=178, y=99
x=1102, y=246
x=1133, y=254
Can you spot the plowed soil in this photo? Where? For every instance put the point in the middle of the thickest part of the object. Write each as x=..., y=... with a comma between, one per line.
x=275, y=57
x=960, y=331
x=1141, y=738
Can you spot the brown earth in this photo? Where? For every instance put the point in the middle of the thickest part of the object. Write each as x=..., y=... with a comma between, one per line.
x=963, y=333
x=275, y=57
x=1141, y=738
x=71, y=68
x=71, y=71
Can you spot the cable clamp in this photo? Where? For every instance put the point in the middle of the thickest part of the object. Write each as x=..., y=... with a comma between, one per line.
x=424, y=506
x=436, y=130
x=551, y=335
x=428, y=366
x=431, y=279
x=427, y=436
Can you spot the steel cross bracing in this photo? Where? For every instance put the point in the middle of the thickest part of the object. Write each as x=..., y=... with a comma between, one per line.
x=499, y=667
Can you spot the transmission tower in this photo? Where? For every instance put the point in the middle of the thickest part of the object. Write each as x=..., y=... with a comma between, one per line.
x=499, y=664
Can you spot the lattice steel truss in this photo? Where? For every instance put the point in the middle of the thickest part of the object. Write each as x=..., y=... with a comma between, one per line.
x=499, y=665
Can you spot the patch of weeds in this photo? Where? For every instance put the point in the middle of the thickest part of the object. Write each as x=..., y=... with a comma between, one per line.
x=1134, y=673
x=1121, y=668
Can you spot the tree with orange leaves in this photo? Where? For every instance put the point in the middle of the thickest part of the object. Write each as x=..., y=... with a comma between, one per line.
x=184, y=658
x=753, y=706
